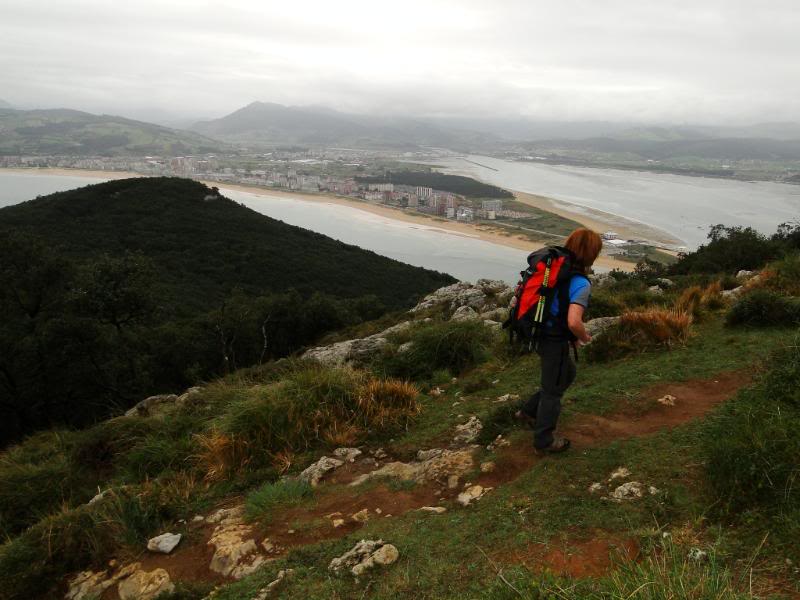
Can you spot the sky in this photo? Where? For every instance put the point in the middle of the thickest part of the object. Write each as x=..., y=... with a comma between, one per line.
x=665, y=61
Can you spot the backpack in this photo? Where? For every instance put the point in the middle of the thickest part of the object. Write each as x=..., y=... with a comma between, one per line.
x=549, y=273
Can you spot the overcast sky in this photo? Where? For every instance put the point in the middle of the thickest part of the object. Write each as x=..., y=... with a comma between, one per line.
x=702, y=61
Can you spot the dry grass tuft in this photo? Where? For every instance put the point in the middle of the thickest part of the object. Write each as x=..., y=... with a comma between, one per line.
x=218, y=454
x=660, y=326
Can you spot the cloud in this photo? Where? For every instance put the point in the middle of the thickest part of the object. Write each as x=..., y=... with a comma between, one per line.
x=674, y=60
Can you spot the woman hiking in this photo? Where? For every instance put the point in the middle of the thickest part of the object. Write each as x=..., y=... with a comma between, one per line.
x=558, y=333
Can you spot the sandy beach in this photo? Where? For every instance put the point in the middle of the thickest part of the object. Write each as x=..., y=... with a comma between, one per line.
x=481, y=232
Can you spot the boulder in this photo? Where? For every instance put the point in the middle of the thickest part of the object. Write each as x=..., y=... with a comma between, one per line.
x=445, y=464
x=88, y=585
x=364, y=556
x=145, y=585
x=600, y=280
x=405, y=347
x=597, y=326
x=235, y=550
x=496, y=314
x=164, y=543
x=745, y=274
x=493, y=325
x=654, y=289
x=347, y=454
x=468, y=432
x=665, y=283
x=733, y=293
x=465, y=313
x=492, y=286
x=266, y=591
x=319, y=469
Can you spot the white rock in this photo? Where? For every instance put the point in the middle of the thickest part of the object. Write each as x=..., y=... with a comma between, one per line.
x=595, y=327
x=654, y=289
x=508, y=398
x=468, y=432
x=595, y=488
x=361, y=516
x=471, y=494
x=733, y=293
x=628, y=491
x=319, y=469
x=437, y=510
x=698, y=555
x=347, y=454
x=488, y=467
x=145, y=585
x=653, y=490
x=405, y=347
x=465, y=313
x=198, y=519
x=429, y=454
x=619, y=473
x=667, y=400
x=665, y=283
x=744, y=274
x=164, y=543
x=265, y=592
x=154, y=405
x=448, y=463
x=364, y=556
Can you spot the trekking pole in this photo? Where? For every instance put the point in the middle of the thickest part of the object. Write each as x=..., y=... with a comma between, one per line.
x=539, y=316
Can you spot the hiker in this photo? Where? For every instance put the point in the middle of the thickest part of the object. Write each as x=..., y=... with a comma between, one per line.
x=558, y=330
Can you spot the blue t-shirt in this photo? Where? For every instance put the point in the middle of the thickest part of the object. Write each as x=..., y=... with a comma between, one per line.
x=579, y=291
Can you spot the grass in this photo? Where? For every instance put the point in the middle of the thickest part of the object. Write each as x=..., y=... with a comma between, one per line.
x=261, y=503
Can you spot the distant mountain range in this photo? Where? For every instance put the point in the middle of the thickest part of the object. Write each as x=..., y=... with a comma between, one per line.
x=4, y=104
x=268, y=123
x=72, y=132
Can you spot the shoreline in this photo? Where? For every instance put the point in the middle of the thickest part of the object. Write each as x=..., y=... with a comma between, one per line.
x=473, y=231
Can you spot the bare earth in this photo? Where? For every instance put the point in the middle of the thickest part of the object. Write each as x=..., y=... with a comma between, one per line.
x=587, y=217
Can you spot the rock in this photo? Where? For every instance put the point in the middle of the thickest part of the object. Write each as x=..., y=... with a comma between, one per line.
x=98, y=496
x=361, y=516
x=733, y=293
x=429, y=454
x=496, y=314
x=436, y=510
x=698, y=555
x=492, y=286
x=265, y=592
x=268, y=546
x=452, y=482
x=654, y=289
x=446, y=464
x=597, y=326
x=364, y=556
x=319, y=469
x=337, y=523
x=464, y=294
x=508, y=398
x=600, y=280
x=654, y=491
x=493, y=325
x=358, y=350
x=744, y=274
x=403, y=348
x=88, y=585
x=468, y=432
x=663, y=282
x=437, y=391
x=595, y=488
x=619, y=473
x=164, y=543
x=499, y=442
x=465, y=313
x=235, y=550
x=145, y=585
x=347, y=454
x=471, y=494
x=151, y=406
x=379, y=453
x=198, y=519
x=488, y=467
x=667, y=400
x=628, y=491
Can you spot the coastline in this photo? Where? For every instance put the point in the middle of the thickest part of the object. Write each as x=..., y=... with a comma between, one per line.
x=474, y=231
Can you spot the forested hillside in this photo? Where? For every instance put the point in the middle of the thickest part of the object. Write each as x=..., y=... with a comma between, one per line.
x=139, y=286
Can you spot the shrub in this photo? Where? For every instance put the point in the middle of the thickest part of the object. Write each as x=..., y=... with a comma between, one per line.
x=752, y=445
x=309, y=406
x=261, y=503
x=760, y=307
x=452, y=346
x=638, y=332
x=781, y=276
x=603, y=304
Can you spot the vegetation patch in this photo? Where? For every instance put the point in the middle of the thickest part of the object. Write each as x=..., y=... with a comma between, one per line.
x=640, y=331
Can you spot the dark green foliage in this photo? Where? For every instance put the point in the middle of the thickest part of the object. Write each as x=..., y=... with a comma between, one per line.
x=603, y=304
x=154, y=287
x=466, y=186
x=261, y=503
x=752, y=445
x=452, y=346
x=728, y=250
x=763, y=308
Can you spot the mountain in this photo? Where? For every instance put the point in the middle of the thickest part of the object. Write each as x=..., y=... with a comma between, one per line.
x=4, y=104
x=269, y=123
x=204, y=248
x=72, y=132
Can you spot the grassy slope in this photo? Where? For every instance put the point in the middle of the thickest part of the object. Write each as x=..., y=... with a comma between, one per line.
x=459, y=554
x=203, y=249
x=74, y=132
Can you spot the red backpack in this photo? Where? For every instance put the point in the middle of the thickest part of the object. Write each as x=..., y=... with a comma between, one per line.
x=548, y=276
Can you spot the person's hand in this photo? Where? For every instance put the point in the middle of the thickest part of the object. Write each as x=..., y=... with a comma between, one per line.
x=585, y=340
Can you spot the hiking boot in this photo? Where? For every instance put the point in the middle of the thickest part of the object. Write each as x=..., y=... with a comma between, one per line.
x=525, y=419
x=559, y=445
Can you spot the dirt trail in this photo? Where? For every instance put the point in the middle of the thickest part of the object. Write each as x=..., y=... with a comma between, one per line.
x=310, y=524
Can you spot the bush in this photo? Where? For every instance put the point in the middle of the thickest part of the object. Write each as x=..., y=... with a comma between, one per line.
x=761, y=308
x=453, y=346
x=309, y=406
x=638, y=332
x=603, y=304
x=728, y=250
x=752, y=445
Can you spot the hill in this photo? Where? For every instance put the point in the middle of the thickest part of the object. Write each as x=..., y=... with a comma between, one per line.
x=72, y=132
x=4, y=104
x=308, y=479
x=457, y=184
x=148, y=285
x=273, y=124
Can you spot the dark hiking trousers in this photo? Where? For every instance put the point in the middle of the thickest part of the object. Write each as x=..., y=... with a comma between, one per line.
x=558, y=373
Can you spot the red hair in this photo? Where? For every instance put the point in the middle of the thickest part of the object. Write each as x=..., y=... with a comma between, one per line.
x=585, y=244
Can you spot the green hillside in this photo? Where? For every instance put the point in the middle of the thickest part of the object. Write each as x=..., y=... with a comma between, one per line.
x=76, y=133
x=116, y=291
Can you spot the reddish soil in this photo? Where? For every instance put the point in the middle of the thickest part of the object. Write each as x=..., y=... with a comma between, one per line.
x=588, y=558
x=575, y=558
